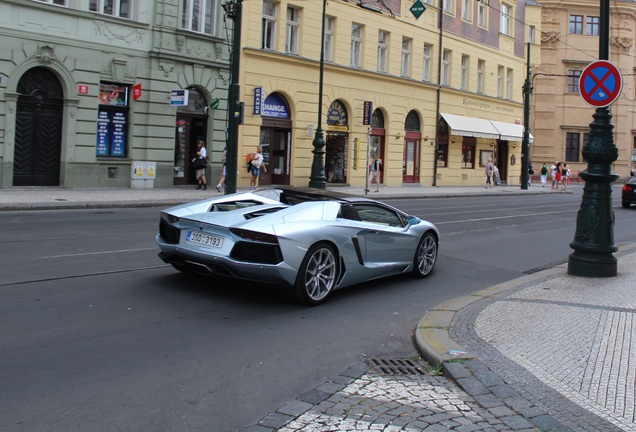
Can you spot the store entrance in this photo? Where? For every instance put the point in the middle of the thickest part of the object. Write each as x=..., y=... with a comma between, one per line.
x=189, y=129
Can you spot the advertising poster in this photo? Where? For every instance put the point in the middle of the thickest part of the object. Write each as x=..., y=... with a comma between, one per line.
x=111, y=133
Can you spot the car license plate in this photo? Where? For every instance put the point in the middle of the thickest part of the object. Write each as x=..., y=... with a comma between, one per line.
x=204, y=239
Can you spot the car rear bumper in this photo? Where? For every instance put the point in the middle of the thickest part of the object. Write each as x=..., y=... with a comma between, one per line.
x=216, y=265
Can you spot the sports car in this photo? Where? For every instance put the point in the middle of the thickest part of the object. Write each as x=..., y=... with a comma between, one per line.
x=309, y=242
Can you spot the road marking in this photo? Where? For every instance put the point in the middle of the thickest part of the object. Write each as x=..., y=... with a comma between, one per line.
x=504, y=217
x=94, y=253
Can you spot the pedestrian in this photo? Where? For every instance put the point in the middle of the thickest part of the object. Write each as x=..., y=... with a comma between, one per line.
x=221, y=184
x=558, y=175
x=199, y=163
x=544, y=174
x=488, y=170
x=553, y=173
x=530, y=173
x=565, y=176
x=257, y=163
x=375, y=168
x=496, y=179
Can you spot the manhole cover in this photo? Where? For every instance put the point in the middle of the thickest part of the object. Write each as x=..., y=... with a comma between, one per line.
x=396, y=366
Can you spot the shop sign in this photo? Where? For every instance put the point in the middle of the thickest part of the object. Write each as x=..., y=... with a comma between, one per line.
x=137, y=91
x=366, y=112
x=337, y=128
x=179, y=97
x=113, y=95
x=337, y=115
x=275, y=106
x=82, y=89
x=258, y=100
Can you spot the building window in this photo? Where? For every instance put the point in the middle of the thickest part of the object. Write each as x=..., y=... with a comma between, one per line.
x=446, y=65
x=591, y=26
x=500, y=73
x=329, y=38
x=426, y=73
x=482, y=14
x=572, y=146
x=112, y=120
x=509, y=77
x=573, y=81
x=506, y=19
x=356, y=45
x=442, y=154
x=576, y=24
x=55, y=2
x=293, y=30
x=198, y=15
x=406, y=57
x=448, y=6
x=465, y=65
x=468, y=152
x=118, y=8
x=383, y=45
x=268, y=36
x=481, y=68
x=467, y=10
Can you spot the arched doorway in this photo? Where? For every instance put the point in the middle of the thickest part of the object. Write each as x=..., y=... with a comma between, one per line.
x=192, y=125
x=275, y=140
x=412, y=142
x=337, y=144
x=38, y=129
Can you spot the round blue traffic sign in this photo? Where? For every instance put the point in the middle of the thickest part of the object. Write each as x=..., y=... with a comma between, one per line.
x=600, y=83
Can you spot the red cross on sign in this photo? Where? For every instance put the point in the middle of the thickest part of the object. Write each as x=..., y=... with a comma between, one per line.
x=600, y=83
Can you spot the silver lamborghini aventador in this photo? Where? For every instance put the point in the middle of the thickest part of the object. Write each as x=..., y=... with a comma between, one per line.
x=307, y=241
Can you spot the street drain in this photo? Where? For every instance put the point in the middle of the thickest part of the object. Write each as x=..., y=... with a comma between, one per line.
x=395, y=366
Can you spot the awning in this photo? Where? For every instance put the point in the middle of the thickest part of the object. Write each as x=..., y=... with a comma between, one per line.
x=482, y=128
x=470, y=126
x=510, y=131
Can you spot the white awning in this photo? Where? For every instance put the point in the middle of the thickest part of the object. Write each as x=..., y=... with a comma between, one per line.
x=510, y=131
x=470, y=126
x=482, y=128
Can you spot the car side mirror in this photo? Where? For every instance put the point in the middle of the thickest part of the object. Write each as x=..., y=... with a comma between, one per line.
x=414, y=220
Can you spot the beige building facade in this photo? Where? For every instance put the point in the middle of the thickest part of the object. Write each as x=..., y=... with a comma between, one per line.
x=433, y=97
x=560, y=116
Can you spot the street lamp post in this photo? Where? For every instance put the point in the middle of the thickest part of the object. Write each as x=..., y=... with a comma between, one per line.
x=233, y=10
x=594, y=237
x=317, y=179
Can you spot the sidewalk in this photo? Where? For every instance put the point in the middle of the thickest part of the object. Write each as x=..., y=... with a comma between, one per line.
x=546, y=351
x=41, y=198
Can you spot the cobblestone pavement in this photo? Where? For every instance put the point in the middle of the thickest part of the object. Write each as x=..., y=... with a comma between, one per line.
x=363, y=399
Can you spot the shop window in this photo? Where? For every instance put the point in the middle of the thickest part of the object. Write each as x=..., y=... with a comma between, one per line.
x=442, y=154
x=468, y=153
x=55, y=2
x=112, y=120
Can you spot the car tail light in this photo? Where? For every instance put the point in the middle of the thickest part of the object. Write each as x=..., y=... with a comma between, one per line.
x=254, y=236
x=628, y=188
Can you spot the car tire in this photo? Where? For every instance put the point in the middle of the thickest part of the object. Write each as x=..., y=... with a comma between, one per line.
x=425, y=255
x=625, y=204
x=317, y=275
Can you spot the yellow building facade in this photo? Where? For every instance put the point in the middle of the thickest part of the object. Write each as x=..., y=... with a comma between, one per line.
x=433, y=97
x=561, y=118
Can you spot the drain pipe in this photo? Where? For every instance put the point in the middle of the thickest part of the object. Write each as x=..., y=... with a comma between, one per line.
x=439, y=89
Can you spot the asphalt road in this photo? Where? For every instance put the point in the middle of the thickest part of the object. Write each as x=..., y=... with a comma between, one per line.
x=97, y=334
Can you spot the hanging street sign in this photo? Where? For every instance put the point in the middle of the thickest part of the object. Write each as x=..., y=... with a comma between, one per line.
x=215, y=103
x=417, y=9
x=600, y=83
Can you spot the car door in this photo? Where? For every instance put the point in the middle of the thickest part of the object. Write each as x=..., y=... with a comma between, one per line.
x=384, y=239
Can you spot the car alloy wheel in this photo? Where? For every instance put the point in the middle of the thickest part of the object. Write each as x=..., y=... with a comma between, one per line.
x=317, y=275
x=425, y=255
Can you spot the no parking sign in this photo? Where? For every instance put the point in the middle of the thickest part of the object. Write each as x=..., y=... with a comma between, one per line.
x=600, y=83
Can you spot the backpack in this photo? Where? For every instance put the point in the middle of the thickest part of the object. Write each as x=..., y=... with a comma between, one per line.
x=544, y=170
x=378, y=165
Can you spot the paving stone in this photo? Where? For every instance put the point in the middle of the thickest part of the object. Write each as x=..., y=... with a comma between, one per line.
x=457, y=370
x=546, y=422
x=516, y=422
x=472, y=386
x=295, y=408
x=489, y=400
x=276, y=420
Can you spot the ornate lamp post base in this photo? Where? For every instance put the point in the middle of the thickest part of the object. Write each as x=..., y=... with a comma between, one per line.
x=594, y=237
